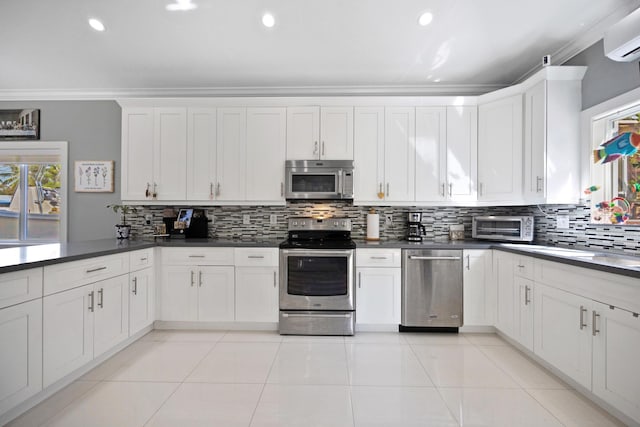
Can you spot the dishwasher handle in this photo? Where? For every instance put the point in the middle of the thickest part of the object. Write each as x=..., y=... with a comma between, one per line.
x=435, y=258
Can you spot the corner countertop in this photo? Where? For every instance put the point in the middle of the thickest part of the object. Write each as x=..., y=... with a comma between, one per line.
x=24, y=257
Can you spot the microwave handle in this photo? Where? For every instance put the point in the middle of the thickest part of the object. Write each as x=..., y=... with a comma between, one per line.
x=340, y=183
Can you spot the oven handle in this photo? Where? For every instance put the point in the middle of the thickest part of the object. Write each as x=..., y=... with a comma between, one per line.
x=435, y=258
x=346, y=315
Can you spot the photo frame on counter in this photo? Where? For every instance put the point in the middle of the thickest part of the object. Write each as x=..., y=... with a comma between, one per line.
x=94, y=176
x=20, y=124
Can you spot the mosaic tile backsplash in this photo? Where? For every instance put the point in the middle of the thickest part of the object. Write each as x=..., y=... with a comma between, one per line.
x=227, y=222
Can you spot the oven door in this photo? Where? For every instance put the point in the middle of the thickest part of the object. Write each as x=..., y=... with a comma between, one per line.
x=319, y=183
x=317, y=279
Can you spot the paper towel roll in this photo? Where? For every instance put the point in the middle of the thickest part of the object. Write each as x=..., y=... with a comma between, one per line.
x=373, y=226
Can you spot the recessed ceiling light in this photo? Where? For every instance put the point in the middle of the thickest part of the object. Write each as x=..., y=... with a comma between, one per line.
x=425, y=19
x=181, y=5
x=268, y=20
x=96, y=24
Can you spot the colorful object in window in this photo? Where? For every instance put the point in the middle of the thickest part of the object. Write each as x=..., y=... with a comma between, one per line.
x=635, y=187
x=592, y=189
x=617, y=210
x=625, y=144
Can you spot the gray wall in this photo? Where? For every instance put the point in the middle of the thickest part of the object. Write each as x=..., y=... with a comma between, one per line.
x=605, y=79
x=92, y=129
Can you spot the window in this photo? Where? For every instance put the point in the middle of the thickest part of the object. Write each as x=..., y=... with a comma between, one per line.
x=33, y=192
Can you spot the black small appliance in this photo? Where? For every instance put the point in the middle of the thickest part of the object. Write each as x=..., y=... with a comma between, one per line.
x=190, y=223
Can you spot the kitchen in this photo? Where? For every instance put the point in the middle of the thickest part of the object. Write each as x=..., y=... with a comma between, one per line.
x=93, y=125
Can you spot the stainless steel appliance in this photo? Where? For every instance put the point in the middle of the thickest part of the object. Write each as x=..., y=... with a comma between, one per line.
x=317, y=278
x=507, y=228
x=415, y=229
x=318, y=179
x=431, y=289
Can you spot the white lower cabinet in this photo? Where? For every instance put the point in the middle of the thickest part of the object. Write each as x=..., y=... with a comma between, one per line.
x=479, y=292
x=562, y=332
x=82, y=323
x=504, y=277
x=616, y=350
x=256, y=294
x=20, y=353
x=141, y=300
x=378, y=286
x=523, y=311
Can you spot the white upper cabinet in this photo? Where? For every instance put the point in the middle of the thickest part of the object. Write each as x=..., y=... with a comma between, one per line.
x=137, y=153
x=552, y=136
x=170, y=153
x=320, y=133
x=462, y=147
x=231, y=154
x=500, y=150
x=201, y=153
x=369, y=154
x=431, y=154
x=399, y=154
x=266, y=145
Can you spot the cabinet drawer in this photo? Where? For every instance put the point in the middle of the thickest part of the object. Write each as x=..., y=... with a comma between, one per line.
x=523, y=267
x=69, y=275
x=197, y=256
x=20, y=286
x=141, y=259
x=256, y=257
x=378, y=257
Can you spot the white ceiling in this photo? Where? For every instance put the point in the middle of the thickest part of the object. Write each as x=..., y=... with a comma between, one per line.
x=375, y=45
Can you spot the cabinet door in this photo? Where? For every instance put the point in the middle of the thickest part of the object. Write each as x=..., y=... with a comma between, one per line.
x=462, y=149
x=216, y=297
x=201, y=153
x=111, y=323
x=170, y=153
x=137, y=153
x=368, y=154
x=20, y=353
x=266, y=145
x=141, y=300
x=535, y=113
x=505, y=314
x=399, y=152
x=431, y=153
x=616, y=348
x=562, y=332
x=231, y=153
x=336, y=133
x=256, y=294
x=478, y=294
x=378, y=295
x=179, y=295
x=67, y=344
x=523, y=316
x=500, y=150
x=303, y=133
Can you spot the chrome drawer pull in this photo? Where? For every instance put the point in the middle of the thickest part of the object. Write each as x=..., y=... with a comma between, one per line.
x=93, y=270
x=527, y=300
x=255, y=257
x=315, y=315
x=582, y=312
x=143, y=259
x=435, y=258
x=91, y=304
x=135, y=286
x=378, y=257
x=196, y=256
x=594, y=319
x=101, y=298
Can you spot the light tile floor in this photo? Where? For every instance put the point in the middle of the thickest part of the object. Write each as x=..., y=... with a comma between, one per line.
x=227, y=379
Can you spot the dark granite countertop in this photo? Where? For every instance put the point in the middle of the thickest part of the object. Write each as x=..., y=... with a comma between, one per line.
x=24, y=257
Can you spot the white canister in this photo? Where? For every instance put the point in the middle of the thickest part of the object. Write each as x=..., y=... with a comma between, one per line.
x=373, y=225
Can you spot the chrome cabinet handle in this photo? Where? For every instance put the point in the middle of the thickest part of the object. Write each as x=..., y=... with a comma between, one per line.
x=192, y=278
x=450, y=189
x=135, y=285
x=315, y=147
x=147, y=193
x=539, y=182
x=91, y=303
x=93, y=270
x=211, y=190
x=275, y=280
x=144, y=259
x=387, y=189
x=359, y=279
x=101, y=298
x=282, y=189
x=155, y=191
x=527, y=290
x=200, y=278
x=322, y=148
x=582, y=312
x=443, y=193
x=255, y=257
x=468, y=262
x=196, y=256
x=480, y=189
x=218, y=189
x=594, y=319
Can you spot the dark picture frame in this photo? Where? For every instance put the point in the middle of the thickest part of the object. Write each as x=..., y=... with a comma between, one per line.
x=20, y=124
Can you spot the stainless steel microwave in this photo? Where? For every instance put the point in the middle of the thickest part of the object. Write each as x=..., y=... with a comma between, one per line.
x=319, y=179
x=505, y=228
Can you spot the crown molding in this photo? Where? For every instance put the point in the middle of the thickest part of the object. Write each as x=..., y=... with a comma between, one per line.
x=289, y=91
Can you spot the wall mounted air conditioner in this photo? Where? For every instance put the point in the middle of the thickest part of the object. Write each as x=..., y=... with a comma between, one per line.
x=622, y=40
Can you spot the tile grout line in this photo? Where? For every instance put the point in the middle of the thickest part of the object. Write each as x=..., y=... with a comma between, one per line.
x=349, y=383
x=264, y=384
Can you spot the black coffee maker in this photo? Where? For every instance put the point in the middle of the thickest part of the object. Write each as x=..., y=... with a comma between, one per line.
x=416, y=229
x=190, y=223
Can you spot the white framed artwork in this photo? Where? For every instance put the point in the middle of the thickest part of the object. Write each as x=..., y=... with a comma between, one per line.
x=94, y=176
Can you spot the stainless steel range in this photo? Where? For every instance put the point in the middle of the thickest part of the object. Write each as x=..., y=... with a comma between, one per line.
x=317, y=277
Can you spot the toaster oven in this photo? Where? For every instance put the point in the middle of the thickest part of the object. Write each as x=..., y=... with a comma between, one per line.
x=503, y=228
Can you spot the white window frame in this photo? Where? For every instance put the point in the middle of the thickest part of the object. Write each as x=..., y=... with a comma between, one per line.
x=59, y=148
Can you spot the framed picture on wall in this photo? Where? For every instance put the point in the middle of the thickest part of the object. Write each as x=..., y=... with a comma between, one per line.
x=19, y=124
x=94, y=176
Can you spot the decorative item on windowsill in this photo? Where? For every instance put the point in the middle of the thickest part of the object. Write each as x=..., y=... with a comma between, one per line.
x=123, y=230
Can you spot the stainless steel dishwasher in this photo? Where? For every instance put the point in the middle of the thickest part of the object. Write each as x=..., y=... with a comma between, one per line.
x=431, y=290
